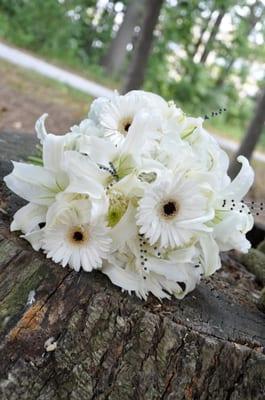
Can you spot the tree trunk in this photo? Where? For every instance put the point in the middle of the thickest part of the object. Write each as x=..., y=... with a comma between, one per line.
x=252, y=136
x=135, y=77
x=68, y=335
x=116, y=54
x=200, y=40
x=214, y=31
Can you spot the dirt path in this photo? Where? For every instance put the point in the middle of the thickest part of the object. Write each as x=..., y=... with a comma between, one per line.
x=25, y=96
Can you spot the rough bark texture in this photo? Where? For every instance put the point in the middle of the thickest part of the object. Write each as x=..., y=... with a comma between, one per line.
x=135, y=77
x=253, y=134
x=109, y=345
x=114, y=60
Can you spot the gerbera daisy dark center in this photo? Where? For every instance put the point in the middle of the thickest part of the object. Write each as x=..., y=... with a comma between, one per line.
x=125, y=125
x=78, y=236
x=170, y=209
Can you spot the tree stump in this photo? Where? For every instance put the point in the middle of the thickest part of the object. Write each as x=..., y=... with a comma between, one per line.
x=68, y=335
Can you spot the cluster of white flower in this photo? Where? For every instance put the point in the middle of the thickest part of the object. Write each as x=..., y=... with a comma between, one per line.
x=138, y=190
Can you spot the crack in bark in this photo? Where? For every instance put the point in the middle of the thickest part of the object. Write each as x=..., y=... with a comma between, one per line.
x=45, y=383
x=252, y=346
x=156, y=339
x=239, y=378
x=116, y=368
x=173, y=374
x=97, y=391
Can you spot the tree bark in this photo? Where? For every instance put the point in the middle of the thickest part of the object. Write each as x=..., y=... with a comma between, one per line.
x=252, y=136
x=135, y=77
x=214, y=31
x=109, y=345
x=114, y=60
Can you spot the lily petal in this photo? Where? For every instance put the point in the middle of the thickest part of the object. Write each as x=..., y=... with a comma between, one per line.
x=238, y=188
x=28, y=217
x=53, y=151
x=34, y=238
x=40, y=128
x=33, y=183
x=210, y=254
x=125, y=228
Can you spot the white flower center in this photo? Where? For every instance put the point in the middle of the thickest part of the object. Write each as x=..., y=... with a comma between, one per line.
x=169, y=209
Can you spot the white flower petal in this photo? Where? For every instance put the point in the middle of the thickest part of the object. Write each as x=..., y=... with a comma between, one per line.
x=210, y=254
x=33, y=183
x=85, y=185
x=34, y=238
x=239, y=187
x=125, y=229
x=81, y=166
x=70, y=237
x=136, y=136
x=40, y=128
x=28, y=217
x=230, y=233
x=53, y=151
x=99, y=150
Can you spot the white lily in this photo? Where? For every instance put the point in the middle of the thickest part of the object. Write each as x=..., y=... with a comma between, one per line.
x=36, y=184
x=233, y=218
x=209, y=259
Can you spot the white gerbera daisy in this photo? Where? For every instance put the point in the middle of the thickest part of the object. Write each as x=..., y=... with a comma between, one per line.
x=172, y=210
x=77, y=241
x=117, y=116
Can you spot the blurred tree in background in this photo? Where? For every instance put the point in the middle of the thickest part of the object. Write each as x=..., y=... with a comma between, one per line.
x=253, y=134
x=116, y=55
x=137, y=68
x=204, y=54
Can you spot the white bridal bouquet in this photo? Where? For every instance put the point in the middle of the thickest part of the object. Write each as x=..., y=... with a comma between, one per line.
x=138, y=190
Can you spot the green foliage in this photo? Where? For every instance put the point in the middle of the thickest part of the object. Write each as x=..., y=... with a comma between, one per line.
x=60, y=29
